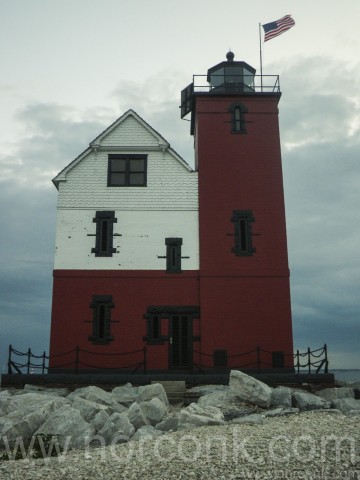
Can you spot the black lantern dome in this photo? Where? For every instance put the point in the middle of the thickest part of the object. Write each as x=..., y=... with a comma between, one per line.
x=231, y=76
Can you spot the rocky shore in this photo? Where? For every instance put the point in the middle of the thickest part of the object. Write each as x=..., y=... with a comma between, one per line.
x=243, y=430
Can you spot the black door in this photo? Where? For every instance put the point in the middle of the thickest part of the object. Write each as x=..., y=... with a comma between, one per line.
x=180, y=350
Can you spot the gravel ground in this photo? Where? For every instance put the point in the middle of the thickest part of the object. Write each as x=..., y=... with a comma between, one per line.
x=309, y=445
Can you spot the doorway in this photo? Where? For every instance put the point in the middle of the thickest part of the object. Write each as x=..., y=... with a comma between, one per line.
x=180, y=344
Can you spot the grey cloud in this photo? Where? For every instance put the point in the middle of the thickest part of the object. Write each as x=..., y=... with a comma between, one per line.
x=319, y=101
x=322, y=180
x=52, y=137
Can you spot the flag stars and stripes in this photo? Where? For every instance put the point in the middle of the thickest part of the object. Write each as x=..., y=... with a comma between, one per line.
x=273, y=29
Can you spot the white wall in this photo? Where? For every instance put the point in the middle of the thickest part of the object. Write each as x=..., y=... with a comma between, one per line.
x=142, y=239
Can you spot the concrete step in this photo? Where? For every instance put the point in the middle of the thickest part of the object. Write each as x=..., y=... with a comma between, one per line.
x=175, y=389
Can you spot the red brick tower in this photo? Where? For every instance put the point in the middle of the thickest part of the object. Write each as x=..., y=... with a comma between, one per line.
x=244, y=274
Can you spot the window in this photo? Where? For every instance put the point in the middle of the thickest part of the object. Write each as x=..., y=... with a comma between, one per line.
x=173, y=254
x=238, y=124
x=153, y=328
x=242, y=220
x=127, y=170
x=104, y=234
x=101, y=305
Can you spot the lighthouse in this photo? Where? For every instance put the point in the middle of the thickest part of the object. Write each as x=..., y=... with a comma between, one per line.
x=160, y=267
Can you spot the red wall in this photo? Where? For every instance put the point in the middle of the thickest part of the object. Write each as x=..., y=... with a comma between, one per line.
x=245, y=300
x=132, y=293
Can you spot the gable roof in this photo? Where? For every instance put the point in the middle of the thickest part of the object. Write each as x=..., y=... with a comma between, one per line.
x=160, y=144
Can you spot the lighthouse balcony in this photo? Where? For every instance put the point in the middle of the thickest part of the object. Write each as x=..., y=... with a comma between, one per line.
x=232, y=84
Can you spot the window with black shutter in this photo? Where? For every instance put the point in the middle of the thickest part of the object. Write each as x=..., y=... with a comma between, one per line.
x=243, y=220
x=101, y=305
x=173, y=254
x=238, y=123
x=104, y=234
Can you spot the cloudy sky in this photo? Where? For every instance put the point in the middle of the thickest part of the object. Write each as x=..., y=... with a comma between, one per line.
x=69, y=68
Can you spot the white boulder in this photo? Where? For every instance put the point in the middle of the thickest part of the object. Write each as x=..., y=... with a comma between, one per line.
x=250, y=390
x=197, y=416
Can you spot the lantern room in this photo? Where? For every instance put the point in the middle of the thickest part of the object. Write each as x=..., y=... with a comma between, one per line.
x=231, y=77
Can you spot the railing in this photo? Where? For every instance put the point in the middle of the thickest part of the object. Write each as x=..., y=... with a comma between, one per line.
x=260, y=360
x=249, y=84
x=309, y=356
x=73, y=360
x=257, y=359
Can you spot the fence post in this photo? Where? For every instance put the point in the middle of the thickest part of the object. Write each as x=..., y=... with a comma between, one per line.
x=298, y=361
x=258, y=349
x=326, y=359
x=309, y=359
x=9, y=360
x=145, y=360
x=43, y=362
x=29, y=360
x=77, y=350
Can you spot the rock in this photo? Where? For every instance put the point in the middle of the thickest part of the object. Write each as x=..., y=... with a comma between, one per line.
x=355, y=385
x=331, y=394
x=146, y=432
x=87, y=408
x=29, y=402
x=69, y=426
x=206, y=389
x=117, y=429
x=98, y=395
x=218, y=398
x=155, y=390
x=281, y=397
x=250, y=390
x=169, y=424
x=18, y=425
x=254, y=419
x=231, y=412
x=346, y=405
x=308, y=401
x=29, y=388
x=92, y=393
x=125, y=394
x=154, y=410
x=136, y=416
x=281, y=411
x=196, y=416
x=10, y=429
x=354, y=413
x=99, y=420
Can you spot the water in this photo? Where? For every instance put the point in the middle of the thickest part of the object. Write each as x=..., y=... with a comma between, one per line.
x=346, y=375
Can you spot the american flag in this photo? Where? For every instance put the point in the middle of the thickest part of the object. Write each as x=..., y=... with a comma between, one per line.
x=273, y=29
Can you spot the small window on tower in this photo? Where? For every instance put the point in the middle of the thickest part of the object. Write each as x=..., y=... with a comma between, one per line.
x=243, y=220
x=104, y=234
x=101, y=305
x=238, y=123
x=127, y=170
x=173, y=254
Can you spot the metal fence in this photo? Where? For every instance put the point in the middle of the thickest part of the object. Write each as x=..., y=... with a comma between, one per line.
x=258, y=359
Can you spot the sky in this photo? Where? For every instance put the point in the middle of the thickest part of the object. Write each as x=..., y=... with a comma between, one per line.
x=69, y=68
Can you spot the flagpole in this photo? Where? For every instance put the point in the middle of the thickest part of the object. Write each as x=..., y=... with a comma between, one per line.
x=261, y=67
